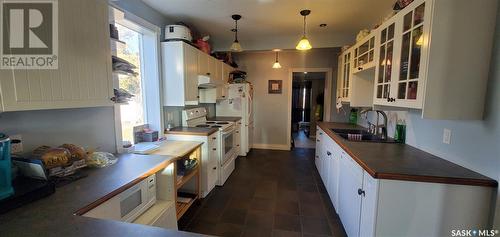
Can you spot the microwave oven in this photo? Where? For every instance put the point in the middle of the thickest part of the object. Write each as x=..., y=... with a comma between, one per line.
x=129, y=204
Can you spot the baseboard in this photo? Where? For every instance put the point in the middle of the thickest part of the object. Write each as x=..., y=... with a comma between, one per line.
x=271, y=147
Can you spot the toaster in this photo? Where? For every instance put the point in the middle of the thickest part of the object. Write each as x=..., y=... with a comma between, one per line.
x=177, y=32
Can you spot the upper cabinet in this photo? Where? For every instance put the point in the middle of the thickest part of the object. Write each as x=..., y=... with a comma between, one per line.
x=364, y=54
x=83, y=78
x=344, y=78
x=180, y=73
x=427, y=57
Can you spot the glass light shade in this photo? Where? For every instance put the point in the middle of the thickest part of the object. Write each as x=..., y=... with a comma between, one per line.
x=277, y=65
x=236, y=47
x=420, y=40
x=304, y=44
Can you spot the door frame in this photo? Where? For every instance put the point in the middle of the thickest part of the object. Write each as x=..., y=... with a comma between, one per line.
x=327, y=93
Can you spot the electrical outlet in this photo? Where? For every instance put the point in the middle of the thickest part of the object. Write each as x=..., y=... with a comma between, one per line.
x=446, y=136
x=16, y=144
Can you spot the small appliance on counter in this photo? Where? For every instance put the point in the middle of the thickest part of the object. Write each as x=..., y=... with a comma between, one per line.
x=6, y=189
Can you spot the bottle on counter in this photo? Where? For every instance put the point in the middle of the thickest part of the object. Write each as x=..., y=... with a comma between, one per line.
x=400, y=133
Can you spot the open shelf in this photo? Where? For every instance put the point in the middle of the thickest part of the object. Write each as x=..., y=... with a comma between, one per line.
x=181, y=180
x=182, y=207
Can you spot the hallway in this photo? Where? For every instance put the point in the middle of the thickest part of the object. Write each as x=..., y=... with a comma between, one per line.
x=271, y=193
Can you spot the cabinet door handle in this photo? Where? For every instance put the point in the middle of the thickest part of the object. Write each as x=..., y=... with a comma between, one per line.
x=208, y=74
x=214, y=168
x=213, y=138
x=361, y=192
x=214, y=149
x=223, y=96
x=328, y=153
x=320, y=133
x=360, y=68
x=317, y=140
x=237, y=132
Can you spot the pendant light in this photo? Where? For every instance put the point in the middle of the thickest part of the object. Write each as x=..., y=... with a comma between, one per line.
x=276, y=64
x=236, y=47
x=304, y=42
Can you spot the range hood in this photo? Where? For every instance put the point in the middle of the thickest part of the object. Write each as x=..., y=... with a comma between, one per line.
x=206, y=82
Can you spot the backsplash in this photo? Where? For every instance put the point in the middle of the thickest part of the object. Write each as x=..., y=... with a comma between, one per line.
x=173, y=114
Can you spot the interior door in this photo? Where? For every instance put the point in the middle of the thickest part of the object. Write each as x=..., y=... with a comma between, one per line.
x=351, y=180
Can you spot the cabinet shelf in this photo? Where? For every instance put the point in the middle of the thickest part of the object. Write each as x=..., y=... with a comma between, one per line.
x=181, y=180
x=182, y=207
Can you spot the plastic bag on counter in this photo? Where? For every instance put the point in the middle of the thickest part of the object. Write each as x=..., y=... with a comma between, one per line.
x=101, y=159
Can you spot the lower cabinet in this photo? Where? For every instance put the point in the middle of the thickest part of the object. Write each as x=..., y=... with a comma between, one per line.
x=382, y=207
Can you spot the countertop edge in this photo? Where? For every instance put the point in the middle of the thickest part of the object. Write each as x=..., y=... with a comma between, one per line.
x=191, y=133
x=405, y=177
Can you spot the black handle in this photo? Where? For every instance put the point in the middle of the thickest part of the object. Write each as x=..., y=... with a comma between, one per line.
x=208, y=74
x=238, y=145
x=198, y=96
x=237, y=132
x=223, y=96
x=214, y=168
x=317, y=140
x=328, y=153
x=213, y=138
x=361, y=192
x=390, y=99
x=360, y=68
x=214, y=149
x=320, y=133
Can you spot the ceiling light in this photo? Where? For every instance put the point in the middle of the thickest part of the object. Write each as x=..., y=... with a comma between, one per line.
x=276, y=64
x=236, y=47
x=304, y=42
x=305, y=72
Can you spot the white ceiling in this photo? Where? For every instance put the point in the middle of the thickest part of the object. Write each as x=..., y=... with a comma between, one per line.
x=268, y=24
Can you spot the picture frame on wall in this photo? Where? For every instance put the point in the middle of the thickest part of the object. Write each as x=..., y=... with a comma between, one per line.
x=275, y=86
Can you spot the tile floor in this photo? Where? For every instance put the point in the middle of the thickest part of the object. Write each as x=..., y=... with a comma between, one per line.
x=271, y=193
x=302, y=141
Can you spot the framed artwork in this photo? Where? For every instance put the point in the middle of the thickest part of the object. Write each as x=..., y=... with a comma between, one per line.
x=275, y=86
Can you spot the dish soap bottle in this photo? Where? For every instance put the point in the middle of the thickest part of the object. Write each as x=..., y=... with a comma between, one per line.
x=400, y=134
x=353, y=117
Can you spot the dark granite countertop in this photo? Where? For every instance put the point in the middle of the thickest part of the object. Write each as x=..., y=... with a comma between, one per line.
x=404, y=162
x=54, y=215
x=224, y=118
x=192, y=131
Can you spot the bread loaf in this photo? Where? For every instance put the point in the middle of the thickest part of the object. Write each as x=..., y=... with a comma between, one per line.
x=55, y=157
x=76, y=152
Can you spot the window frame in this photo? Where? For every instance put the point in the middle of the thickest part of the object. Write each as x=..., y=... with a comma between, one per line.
x=150, y=74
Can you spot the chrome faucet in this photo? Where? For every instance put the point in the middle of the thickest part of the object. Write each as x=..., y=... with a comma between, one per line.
x=377, y=129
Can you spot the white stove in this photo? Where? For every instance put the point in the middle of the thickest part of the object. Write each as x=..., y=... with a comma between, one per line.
x=196, y=117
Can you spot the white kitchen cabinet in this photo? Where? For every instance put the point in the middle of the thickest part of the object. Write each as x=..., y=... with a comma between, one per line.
x=204, y=63
x=351, y=182
x=83, y=78
x=384, y=72
x=319, y=148
x=180, y=74
x=237, y=137
x=369, y=195
x=364, y=54
x=441, y=58
x=333, y=164
x=344, y=79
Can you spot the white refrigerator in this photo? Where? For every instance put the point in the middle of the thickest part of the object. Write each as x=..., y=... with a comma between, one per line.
x=239, y=103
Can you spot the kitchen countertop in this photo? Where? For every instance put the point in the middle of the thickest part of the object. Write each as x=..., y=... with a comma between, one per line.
x=224, y=118
x=192, y=131
x=54, y=215
x=404, y=162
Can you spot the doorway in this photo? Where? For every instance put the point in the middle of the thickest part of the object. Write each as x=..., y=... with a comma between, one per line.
x=307, y=107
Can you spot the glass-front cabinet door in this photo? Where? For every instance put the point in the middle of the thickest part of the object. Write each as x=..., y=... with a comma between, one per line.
x=408, y=83
x=364, y=54
x=345, y=80
x=384, y=68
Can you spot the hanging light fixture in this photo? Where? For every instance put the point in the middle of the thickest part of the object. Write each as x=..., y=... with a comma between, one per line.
x=276, y=64
x=236, y=47
x=304, y=42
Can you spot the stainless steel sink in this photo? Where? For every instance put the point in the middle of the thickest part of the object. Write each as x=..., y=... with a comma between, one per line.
x=365, y=136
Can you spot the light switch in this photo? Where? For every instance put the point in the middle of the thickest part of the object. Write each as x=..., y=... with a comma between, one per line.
x=446, y=136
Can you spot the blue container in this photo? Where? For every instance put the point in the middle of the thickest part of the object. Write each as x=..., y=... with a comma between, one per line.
x=6, y=189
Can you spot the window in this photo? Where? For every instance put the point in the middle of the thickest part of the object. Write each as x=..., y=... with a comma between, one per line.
x=140, y=48
x=133, y=113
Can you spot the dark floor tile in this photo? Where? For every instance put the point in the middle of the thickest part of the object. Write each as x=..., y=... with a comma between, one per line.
x=229, y=230
x=307, y=187
x=284, y=233
x=262, y=204
x=309, y=197
x=287, y=222
x=337, y=228
x=260, y=220
x=239, y=203
x=202, y=227
x=242, y=192
x=287, y=195
x=234, y=216
x=265, y=192
x=319, y=226
x=287, y=207
x=312, y=210
x=209, y=215
x=257, y=232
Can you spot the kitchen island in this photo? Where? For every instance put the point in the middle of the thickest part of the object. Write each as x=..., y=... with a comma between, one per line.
x=56, y=215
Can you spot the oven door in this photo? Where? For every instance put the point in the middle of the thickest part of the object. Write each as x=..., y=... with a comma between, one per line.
x=228, y=148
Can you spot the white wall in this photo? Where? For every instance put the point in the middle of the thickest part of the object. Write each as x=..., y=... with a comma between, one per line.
x=271, y=109
x=88, y=127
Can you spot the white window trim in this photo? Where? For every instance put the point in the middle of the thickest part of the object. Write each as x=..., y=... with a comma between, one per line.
x=152, y=94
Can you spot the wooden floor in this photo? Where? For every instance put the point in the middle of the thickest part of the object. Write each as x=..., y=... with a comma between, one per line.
x=271, y=193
